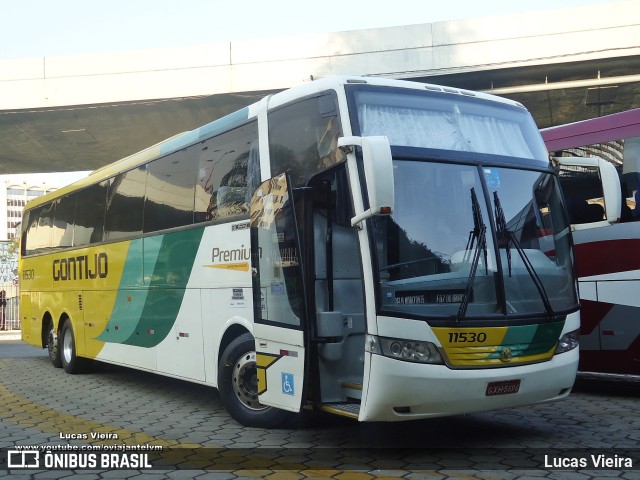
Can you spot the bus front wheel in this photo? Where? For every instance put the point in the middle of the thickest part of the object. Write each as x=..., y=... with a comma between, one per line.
x=71, y=363
x=238, y=386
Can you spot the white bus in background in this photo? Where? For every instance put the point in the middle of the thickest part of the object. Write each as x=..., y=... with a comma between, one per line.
x=379, y=249
x=602, y=190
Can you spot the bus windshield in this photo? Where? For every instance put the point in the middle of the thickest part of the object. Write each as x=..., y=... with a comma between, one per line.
x=473, y=234
x=438, y=251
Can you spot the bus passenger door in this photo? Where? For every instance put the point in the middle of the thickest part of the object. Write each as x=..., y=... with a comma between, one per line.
x=279, y=296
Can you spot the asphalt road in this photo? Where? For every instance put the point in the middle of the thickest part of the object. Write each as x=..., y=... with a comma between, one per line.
x=115, y=407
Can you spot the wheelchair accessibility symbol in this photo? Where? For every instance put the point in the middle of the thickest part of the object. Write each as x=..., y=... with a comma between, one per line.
x=287, y=383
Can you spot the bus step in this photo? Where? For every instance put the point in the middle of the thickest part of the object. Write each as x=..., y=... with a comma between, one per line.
x=353, y=389
x=351, y=410
x=353, y=384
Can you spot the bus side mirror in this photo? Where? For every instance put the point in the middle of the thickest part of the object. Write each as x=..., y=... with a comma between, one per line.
x=378, y=173
x=607, y=177
x=612, y=191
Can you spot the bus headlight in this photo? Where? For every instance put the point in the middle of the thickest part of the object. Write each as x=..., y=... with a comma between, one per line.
x=403, y=349
x=568, y=341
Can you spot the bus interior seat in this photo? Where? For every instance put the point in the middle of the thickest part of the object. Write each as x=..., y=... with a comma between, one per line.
x=595, y=212
x=578, y=210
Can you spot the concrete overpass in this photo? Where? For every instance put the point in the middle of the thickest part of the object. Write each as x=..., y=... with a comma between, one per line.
x=82, y=112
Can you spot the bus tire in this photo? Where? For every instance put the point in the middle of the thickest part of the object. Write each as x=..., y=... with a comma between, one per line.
x=53, y=346
x=238, y=388
x=71, y=363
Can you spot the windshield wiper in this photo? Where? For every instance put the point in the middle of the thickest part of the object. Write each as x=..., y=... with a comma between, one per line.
x=506, y=237
x=502, y=232
x=478, y=236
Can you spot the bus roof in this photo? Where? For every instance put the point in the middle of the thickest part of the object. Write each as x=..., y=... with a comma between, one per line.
x=239, y=117
x=589, y=132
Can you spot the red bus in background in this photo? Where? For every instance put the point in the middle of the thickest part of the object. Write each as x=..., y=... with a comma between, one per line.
x=599, y=167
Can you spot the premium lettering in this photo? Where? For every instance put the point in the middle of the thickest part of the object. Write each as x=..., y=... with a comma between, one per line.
x=234, y=255
x=83, y=267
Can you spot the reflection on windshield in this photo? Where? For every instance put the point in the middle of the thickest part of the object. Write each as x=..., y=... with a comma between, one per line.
x=433, y=261
x=532, y=208
x=477, y=237
x=425, y=248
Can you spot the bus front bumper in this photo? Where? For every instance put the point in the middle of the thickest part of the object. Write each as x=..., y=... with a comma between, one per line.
x=400, y=390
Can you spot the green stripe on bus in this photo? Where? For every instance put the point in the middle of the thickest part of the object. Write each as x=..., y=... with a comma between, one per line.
x=545, y=338
x=175, y=257
x=529, y=340
x=130, y=298
x=155, y=275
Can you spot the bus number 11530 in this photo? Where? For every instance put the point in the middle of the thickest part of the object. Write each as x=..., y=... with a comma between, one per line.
x=467, y=337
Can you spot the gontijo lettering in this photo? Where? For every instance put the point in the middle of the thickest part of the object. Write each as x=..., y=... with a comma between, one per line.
x=83, y=267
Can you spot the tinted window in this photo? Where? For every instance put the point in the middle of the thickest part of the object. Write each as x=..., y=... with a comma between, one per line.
x=170, y=190
x=303, y=137
x=89, y=224
x=582, y=189
x=23, y=227
x=65, y=210
x=624, y=154
x=125, y=201
x=228, y=172
x=39, y=229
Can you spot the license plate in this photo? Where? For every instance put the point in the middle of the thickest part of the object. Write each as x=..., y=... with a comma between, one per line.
x=503, y=388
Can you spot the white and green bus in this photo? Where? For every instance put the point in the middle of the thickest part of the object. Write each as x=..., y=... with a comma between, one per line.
x=379, y=249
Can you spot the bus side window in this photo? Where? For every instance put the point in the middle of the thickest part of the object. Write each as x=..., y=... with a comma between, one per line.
x=229, y=171
x=582, y=187
x=89, y=224
x=39, y=231
x=29, y=231
x=63, y=221
x=169, y=191
x=630, y=183
x=26, y=222
x=303, y=137
x=125, y=201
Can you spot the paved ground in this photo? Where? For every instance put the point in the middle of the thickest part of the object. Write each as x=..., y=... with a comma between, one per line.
x=7, y=335
x=41, y=405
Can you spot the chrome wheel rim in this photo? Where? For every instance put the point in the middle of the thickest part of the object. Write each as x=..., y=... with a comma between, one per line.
x=245, y=381
x=67, y=346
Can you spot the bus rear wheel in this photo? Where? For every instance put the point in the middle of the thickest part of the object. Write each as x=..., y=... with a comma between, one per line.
x=238, y=386
x=53, y=346
x=71, y=363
